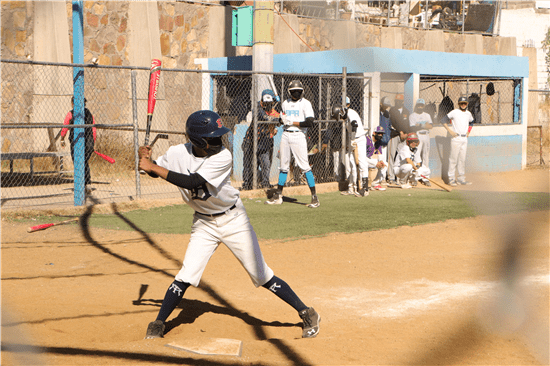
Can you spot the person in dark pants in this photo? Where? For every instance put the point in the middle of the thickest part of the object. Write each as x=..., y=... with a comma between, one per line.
x=266, y=132
x=89, y=140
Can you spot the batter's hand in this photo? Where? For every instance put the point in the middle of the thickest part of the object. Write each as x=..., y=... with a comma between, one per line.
x=380, y=164
x=285, y=121
x=146, y=164
x=144, y=152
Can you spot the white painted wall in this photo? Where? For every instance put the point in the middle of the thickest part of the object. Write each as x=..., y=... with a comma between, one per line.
x=528, y=26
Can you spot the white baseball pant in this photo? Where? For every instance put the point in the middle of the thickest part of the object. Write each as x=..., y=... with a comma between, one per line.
x=296, y=143
x=457, y=158
x=405, y=171
x=235, y=231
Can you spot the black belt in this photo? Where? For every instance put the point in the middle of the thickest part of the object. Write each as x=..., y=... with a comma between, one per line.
x=423, y=132
x=216, y=214
x=461, y=135
x=292, y=131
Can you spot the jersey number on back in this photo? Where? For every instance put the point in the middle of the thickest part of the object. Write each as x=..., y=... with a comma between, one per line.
x=200, y=193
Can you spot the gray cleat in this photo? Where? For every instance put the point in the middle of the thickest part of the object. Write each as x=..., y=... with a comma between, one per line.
x=155, y=330
x=276, y=199
x=311, y=321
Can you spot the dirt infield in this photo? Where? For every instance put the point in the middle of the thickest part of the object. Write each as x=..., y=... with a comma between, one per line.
x=411, y=295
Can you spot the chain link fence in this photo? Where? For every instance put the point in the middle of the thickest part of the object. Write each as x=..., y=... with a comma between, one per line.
x=491, y=101
x=36, y=98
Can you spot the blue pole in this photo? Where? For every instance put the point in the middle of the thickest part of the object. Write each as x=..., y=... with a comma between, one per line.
x=78, y=84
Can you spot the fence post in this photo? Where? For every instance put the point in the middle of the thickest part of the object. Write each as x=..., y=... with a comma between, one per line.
x=136, y=134
x=343, y=104
x=78, y=143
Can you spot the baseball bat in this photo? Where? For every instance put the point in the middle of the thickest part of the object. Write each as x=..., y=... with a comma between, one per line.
x=437, y=184
x=154, y=77
x=45, y=226
x=106, y=157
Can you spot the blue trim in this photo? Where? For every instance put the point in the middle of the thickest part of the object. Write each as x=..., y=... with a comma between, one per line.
x=386, y=60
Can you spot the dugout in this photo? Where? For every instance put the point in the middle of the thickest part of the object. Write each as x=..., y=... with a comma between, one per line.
x=496, y=85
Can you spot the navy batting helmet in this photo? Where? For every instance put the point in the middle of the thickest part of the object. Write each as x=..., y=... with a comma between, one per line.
x=337, y=112
x=203, y=125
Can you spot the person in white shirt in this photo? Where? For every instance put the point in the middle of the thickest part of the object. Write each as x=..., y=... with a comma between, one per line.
x=408, y=167
x=201, y=169
x=296, y=116
x=421, y=122
x=459, y=128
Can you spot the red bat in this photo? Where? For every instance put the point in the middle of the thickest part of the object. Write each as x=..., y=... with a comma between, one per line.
x=154, y=77
x=108, y=158
x=45, y=226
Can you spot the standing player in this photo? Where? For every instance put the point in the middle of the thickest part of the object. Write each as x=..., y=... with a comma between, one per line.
x=422, y=121
x=408, y=166
x=358, y=141
x=202, y=170
x=296, y=116
x=459, y=120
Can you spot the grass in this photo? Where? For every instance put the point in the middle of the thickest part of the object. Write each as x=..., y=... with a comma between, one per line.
x=344, y=214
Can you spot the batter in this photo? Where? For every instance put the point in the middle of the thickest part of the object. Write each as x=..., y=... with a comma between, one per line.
x=202, y=169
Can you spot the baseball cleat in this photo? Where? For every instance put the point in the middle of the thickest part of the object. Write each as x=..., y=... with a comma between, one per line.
x=453, y=183
x=464, y=183
x=426, y=183
x=406, y=186
x=155, y=330
x=311, y=321
x=378, y=187
x=276, y=199
x=362, y=193
x=314, y=202
x=349, y=192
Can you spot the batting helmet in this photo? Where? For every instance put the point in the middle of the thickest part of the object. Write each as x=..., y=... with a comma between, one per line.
x=462, y=100
x=295, y=84
x=202, y=125
x=386, y=102
x=337, y=112
x=295, y=89
x=412, y=137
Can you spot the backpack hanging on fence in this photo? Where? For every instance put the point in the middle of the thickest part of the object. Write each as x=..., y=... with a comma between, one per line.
x=445, y=107
x=474, y=106
x=431, y=109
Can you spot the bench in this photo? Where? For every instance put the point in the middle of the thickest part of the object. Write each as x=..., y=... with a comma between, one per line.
x=31, y=155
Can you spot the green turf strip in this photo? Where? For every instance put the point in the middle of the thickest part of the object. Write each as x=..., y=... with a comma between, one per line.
x=337, y=213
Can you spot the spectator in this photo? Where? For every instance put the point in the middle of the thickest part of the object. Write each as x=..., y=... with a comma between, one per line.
x=399, y=125
x=459, y=128
x=408, y=165
x=89, y=140
x=266, y=132
x=376, y=157
x=422, y=121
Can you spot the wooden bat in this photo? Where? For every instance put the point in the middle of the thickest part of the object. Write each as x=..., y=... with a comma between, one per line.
x=106, y=157
x=32, y=229
x=154, y=77
x=437, y=184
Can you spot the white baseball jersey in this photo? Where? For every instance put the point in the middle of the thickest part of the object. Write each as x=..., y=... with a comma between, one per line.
x=460, y=120
x=404, y=152
x=217, y=194
x=416, y=119
x=354, y=116
x=297, y=111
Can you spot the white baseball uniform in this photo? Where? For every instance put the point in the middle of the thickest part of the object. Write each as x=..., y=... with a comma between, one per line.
x=416, y=119
x=403, y=170
x=360, y=143
x=294, y=138
x=219, y=215
x=460, y=122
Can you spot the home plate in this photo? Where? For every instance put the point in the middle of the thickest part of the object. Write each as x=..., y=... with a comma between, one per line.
x=210, y=346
